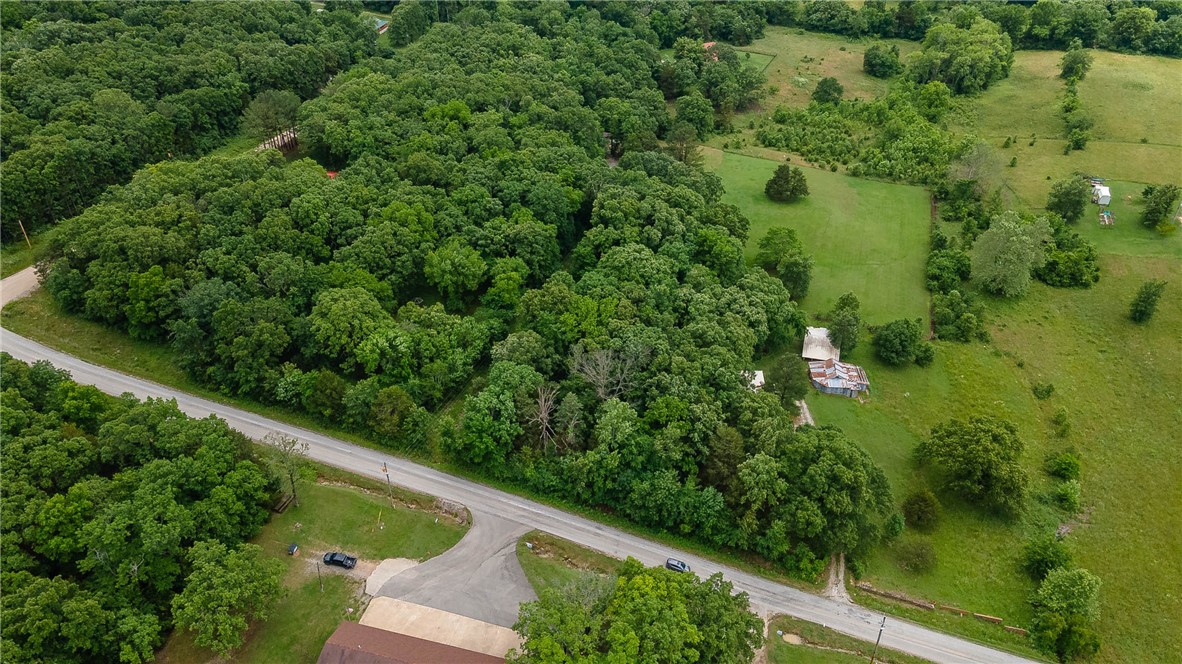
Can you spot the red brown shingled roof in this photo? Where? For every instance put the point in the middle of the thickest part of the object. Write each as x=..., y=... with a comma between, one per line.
x=354, y=643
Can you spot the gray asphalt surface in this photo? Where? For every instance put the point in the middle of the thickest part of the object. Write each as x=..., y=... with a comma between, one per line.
x=479, y=577
x=767, y=597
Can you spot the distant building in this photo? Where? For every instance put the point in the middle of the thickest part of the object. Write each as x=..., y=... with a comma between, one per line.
x=833, y=377
x=755, y=379
x=380, y=25
x=817, y=345
x=360, y=644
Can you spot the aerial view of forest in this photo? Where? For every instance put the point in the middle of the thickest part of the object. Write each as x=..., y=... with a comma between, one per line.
x=875, y=301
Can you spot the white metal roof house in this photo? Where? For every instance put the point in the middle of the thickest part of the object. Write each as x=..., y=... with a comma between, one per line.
x=833, y=377
x=817, y=345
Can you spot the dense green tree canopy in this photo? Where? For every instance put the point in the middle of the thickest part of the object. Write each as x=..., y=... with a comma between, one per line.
x=643, y=615
x=105, y=501
x=92, y=91
x=1004, y=256
x=968, y=60
x=982, y=460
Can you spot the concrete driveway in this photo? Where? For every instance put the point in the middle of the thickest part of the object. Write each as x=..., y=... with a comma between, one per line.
x=479, y=578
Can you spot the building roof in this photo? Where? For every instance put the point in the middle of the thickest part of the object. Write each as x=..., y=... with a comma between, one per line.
x=839, y=375
x=353, y=643
x=817, y=345
x=756, y=379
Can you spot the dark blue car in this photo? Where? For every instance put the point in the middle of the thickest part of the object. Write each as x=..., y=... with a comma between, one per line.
x=340, y=560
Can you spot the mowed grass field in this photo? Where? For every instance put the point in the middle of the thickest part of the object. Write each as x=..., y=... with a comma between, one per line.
x=1130, y=97
x=865, y=236
x=330, y=517
x=1120, y=383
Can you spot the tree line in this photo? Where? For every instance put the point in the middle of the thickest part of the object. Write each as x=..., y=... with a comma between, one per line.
x=94, y=90
x=122, y=520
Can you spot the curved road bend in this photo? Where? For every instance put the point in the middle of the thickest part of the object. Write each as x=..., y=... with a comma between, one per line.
x=767, y=597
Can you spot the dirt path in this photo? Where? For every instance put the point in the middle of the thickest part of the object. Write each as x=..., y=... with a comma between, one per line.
x=18, y=285
x=835, y=588
x=805, y=417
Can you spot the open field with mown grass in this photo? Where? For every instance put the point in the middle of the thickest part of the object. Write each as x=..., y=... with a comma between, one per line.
x=330, y=517
x=1120, y=384
x=865, y=236
x=1130, y=97
x=799, y=59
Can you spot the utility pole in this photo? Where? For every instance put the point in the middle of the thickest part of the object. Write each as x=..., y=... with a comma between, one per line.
x=389, y=485
x=879, y=639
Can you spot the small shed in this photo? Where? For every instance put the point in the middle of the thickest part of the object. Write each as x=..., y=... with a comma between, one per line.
x=1101, y=195
x=817, y=345
x=833, y=377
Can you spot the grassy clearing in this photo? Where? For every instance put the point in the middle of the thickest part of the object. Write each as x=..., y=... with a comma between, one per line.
x=329, y=517
x=554, y=562
x=824, y=645
x=1119, y=382
x=803, y=58
x=17, y=255
x=1127, y=237
x=865, y=236
x=1131, y=97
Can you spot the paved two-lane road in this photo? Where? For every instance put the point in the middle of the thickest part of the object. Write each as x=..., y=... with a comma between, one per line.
x=766, y=596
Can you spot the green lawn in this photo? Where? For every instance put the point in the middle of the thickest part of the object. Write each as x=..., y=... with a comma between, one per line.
x=329, y=517
x=1131, y=97
x=554, y=562
x=17, y=255
x=824, y=646
x=803, y=58
x=1119, y=382
x=867, y=237
x=1127, y=237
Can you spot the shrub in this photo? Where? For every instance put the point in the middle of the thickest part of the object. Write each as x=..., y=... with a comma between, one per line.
x=857, y=568
x=898, y=342
x=1145, y=303
x=1044, y=554
x=1013, y=162
x=921, y=510
x=1067, y=496
x=916, y=556
x=882, y=60
x=1043, y=391
x=787, y=184
x=828, y=91
x=893, y=526
x=1064, y=465
x=925, y=354
x=1062, y=422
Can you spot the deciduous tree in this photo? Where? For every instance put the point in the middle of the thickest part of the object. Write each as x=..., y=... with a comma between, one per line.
x=1004, y=256
x=225, y=589
x=981, y=458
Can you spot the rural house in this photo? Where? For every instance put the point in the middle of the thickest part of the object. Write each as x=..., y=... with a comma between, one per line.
x=833, y=377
